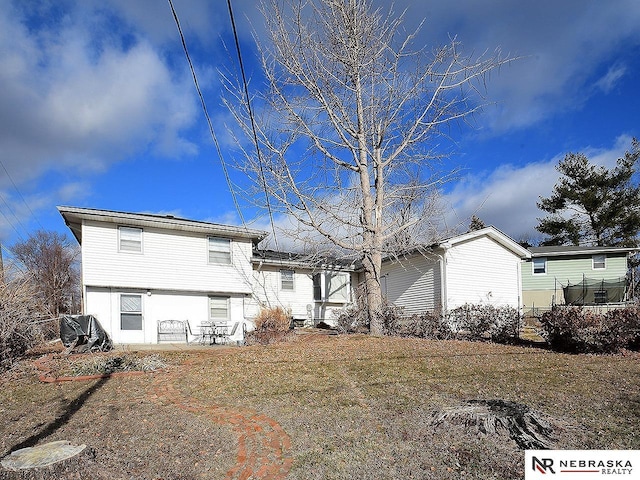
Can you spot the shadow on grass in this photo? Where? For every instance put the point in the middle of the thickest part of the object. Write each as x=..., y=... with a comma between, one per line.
x=62, y=419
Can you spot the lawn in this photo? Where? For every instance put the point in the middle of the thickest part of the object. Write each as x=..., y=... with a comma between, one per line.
x=341, y=407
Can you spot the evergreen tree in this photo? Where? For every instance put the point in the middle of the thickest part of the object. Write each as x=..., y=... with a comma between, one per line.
x=476, y=224
x=592, y=205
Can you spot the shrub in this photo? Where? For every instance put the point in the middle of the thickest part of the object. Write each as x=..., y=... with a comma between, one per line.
x=271, y=325
x=480, y=321
x=351, y=319
x=390, y=316
x=431, y=325
x=19, y=314
x=578, y=330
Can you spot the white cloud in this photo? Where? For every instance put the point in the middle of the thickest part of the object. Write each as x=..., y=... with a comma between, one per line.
x=562, y=45
x=69, y=100
x=506, y=197
x=609, y=81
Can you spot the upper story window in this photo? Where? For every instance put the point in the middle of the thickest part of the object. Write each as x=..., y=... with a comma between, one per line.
x=219, y=250
x=599, y=261
x=539, y=266
x=130, y=239
x=286, y=280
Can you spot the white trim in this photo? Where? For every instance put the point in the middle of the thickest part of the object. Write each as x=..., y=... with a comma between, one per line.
x=292, y=280
x=533, y=265
x=132, y=241
x=219, y=250
x=228, y=307
x=140, y=312
x=604, y=262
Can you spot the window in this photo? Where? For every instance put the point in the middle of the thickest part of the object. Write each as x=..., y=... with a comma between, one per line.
x=599, y=261
x=286, y=280
x=317, y=286
x=218, y=308
x=600, y=296
x=130, y=239
x=338, y=287
x=331, y=287
x=219, y=250
x=539, y=266
x=130, y=312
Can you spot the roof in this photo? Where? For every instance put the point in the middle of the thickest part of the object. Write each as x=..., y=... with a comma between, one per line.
x=491, y=232
x=292, y=259
x=75, y=216
x=445, y=244
x=564, y=250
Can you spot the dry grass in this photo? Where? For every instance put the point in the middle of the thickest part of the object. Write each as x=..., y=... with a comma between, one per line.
x=353, y=406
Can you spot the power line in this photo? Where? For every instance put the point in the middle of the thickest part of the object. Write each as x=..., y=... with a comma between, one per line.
x=253, y=124
x=20, y=194
x=206, y=113
x=14, y=216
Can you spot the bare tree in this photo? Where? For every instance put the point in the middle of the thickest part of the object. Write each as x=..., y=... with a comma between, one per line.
x=20, y=312
x=51, y=262
x=349, y=126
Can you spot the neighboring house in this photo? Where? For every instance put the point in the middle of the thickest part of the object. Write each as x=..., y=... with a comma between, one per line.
x=574, y=275
x=481, y=266
x=140, y=269
x=311, y=293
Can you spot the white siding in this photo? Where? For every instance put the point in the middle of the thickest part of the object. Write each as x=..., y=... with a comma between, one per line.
x=170, y=260
x=104, y=304
x=482, y=271
x=413, y=283
x=268, y=292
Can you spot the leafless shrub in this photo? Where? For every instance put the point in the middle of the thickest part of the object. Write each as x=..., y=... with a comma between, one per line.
x=431, y=325
x=351, y=319
x=578, y=330
x=482, y=321
x=271, y=325
x=19, y=314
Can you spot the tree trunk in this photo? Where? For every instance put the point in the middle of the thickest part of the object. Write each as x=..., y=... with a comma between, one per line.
x=372, y=263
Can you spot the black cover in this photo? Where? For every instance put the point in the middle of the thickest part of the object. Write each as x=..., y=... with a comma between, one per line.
x=84, y=331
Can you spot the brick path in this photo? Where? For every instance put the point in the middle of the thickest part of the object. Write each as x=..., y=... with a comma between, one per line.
x=262, y=443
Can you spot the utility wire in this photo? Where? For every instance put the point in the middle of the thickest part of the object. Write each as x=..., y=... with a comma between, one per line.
x=14, y=216
x=253, y=124
x=206, y=114
x=20, y=194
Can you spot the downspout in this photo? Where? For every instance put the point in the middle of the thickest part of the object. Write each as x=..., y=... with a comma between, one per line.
x=443, y=281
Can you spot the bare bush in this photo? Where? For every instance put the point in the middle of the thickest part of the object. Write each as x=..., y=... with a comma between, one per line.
x=578, y=330
x=351, y=319
x=431, y=325
x=20, y=312
x=482, y=321
x=271, y=325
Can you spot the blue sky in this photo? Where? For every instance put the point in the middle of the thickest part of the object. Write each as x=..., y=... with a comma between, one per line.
x=98, y=108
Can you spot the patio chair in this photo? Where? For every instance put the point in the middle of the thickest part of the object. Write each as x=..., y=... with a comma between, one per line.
x=207, y=332
x=226, y=335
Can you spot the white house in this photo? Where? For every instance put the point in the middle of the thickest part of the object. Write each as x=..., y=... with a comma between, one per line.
x=140, y=269
x=481, y=266
x=311, y=292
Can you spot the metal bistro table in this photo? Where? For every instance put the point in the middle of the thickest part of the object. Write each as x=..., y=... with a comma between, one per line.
x=212, y=332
